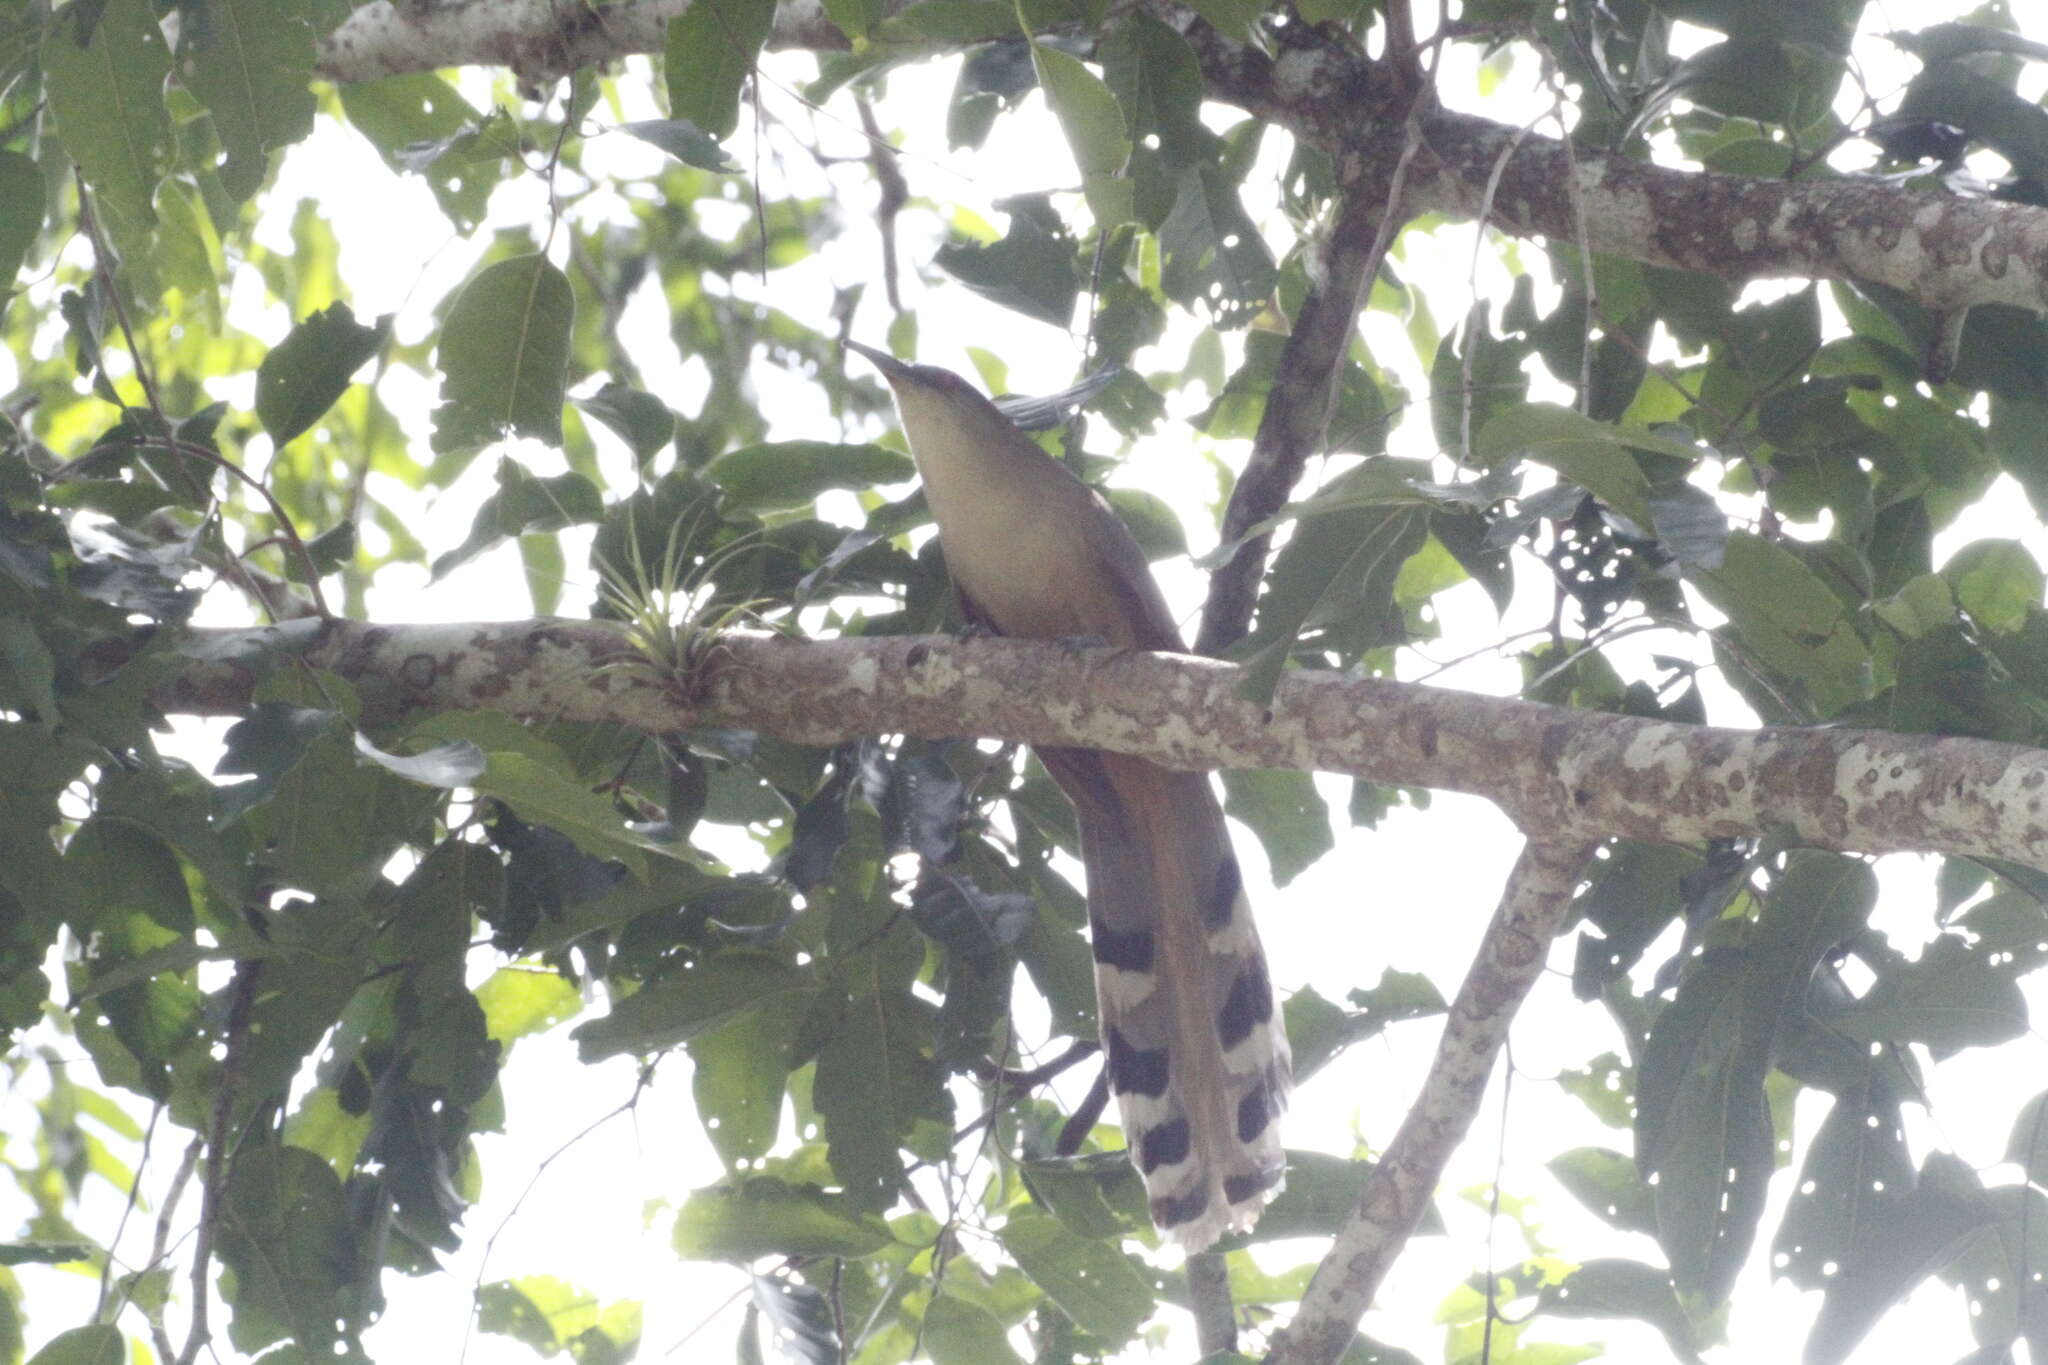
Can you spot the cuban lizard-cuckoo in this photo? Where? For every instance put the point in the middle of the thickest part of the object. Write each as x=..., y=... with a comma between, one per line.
x=1196, y=1053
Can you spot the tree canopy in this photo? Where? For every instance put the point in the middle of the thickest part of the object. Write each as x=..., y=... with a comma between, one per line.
x=1665, y=362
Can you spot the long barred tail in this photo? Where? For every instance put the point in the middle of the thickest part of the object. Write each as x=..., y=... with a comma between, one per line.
x=1197, y=1054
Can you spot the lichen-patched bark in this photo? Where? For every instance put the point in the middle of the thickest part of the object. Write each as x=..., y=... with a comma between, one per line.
x=1566, y=774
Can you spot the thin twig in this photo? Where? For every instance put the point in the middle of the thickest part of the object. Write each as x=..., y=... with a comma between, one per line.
x=626, y=1106
x=242, y=997
x=894, y=194
x=90, y=220
x=161, y=1247
x=156, y=1112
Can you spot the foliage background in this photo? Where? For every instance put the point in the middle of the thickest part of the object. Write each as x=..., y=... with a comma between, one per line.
x=418, y=909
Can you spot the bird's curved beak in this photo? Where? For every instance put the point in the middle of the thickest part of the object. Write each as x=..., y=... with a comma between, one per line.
x=892, y=369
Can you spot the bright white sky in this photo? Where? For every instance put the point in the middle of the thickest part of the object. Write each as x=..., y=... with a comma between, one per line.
x=1414, y=894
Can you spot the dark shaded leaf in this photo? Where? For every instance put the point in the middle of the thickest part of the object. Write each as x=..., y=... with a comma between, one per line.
x=800, y=1318
x=1094, y=1283
x=1318, y=1030
x=711, y=50
x=684, y=141
x=504, y=356
x=1287, y=813
x=641, y=420
x=1029, y=270
x=793, y=473
x=701, y=997
x=250, y=62
x=744, y=1219
x=303, y=374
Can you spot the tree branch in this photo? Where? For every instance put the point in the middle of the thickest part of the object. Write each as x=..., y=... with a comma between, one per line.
x=538, y=40
x=1944, y=251
x=1566, y=776
x=1533, y=908
x=1296, y=420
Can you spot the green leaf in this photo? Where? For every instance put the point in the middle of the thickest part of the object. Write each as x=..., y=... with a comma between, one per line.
x=1857, y=1169
x=855, y=18
x=250, y=62
x=1095, y=131
x=759, y=1216
x=544, y=795
x=554, y=1317
x=740, y=1071
x=1157, y=81
x=99, y=1344
x=1097, y=1195
x=1318, y=1030
x=684, y=141
x=44, y=1253
x=329, y=550
x=952, y=22
x=1689, y=523
x=1996, y=581
x=1614, y=1288
x=1790, y=622
x=1607, y=1183
x=957, y=1332
x=524, y=504
x=1234, y=19
x=1029, y=270
x=108, y=98
x=504, y=356
x=1702, y=1127
x=684, y=1004
x=266, y=744
x=1213, y=251
x=1337, y=575
x=2028, y=1145
x=518, y=1001
x=21, y=214
x=1597, y=456
x=1952, y=998
x=641, y=420
x=1094, y=1283
x=1917, y=1233
x=123, y=869
x=1283, y=808
x=306, y=372
x=800, y=1320
x=877, y=1084
x=284, y=1230
x=419, y=125
x=793, y=473
x=710, y=52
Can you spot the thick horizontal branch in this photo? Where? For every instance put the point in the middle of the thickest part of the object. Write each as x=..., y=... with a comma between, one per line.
x=1941, y=250
x=537, y=39
x=1562, y=775
x=1944, y=251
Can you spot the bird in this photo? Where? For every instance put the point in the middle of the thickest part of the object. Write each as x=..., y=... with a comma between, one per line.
x=1195, y=1047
